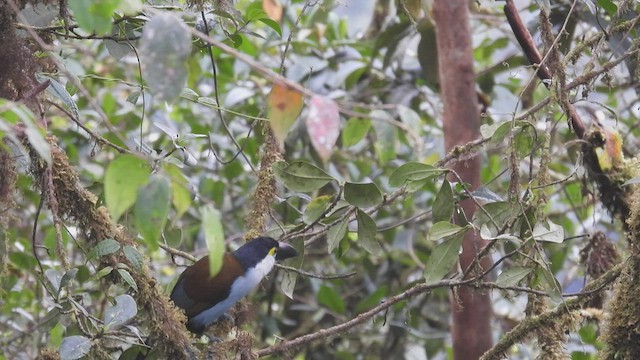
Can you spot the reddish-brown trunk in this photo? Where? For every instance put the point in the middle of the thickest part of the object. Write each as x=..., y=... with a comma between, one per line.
x=471, y=309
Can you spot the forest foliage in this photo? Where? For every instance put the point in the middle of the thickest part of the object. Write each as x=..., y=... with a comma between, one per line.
x=137, y=135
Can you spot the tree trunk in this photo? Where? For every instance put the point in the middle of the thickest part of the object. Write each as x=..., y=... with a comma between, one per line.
x=471, y=309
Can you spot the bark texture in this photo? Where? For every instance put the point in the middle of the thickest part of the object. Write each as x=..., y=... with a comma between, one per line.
x=471, y=309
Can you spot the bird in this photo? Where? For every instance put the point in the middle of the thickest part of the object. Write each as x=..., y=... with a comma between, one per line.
x=205, y=299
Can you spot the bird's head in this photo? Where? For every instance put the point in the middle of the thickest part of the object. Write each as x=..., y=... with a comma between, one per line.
x=255, y=251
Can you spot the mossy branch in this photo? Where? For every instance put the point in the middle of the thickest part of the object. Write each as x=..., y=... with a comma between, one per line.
x=76, y=204
x=530, y=325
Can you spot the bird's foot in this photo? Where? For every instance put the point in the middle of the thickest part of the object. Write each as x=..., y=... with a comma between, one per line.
x=227, y=317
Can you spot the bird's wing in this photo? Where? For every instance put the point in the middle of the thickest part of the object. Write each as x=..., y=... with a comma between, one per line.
x=199, y=290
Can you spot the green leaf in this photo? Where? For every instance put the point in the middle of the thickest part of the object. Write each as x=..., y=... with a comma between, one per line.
x=104, y=272
x=609, y=6
x=180, y=195
x=57, y=90
x=134, y=257
x=126, y=276
x=55, y=335
x=104, y=247
x=300, y=175
x=444, y=229
x=35, y=134
x=386, y=135
x=487, y=131
x=316, y=208
x=288, y=283
x=549, y=283
x=124, y=310
x=444, y=204
x=68, y=277
x=512, y=276
x=372, y=300
x=362, y=195
x=23, y=260
x=501, y=212
x=337, y=233
x=550, y=232
x=367, y=230
x=133, y=97
x=272, y=24
x=122, y=179
x=94, y=16
x=487, y=234
x=54, y=277
x=74, y=347
x=484, y=195
x=130, y=7
x=152, y=209
x=442, y=259
x=255, y=11
x=413, y=171
x=39, y=143
x=330, y=298
x=164, y=49
x=214, y=235
x=354, y=130
x=289, y=278
x=524, y=141
x=411, y=119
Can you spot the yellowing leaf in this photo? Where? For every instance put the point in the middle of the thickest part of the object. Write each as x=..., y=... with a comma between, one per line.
x=283, y=107
x=323, y=125
x=273, y=8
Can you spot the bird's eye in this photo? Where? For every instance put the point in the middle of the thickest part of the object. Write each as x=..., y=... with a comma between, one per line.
x=273, y=251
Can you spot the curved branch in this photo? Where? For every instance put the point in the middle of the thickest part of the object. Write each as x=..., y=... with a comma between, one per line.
x=528, y=46
x=523, y=329
x=358, y=320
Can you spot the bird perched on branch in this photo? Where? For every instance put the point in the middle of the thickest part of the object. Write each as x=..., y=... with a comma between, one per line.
x=205, y=299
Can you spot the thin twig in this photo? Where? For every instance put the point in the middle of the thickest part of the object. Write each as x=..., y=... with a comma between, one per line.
x=176, y=252
x=97, y=137
x=307, y=3
x=222, y=120
x=316, y=276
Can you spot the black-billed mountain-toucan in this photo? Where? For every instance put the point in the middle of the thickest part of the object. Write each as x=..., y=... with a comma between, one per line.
x=205, y=299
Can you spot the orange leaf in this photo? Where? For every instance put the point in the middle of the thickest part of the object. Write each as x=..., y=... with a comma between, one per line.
x=273, y=8
x=283, y=107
